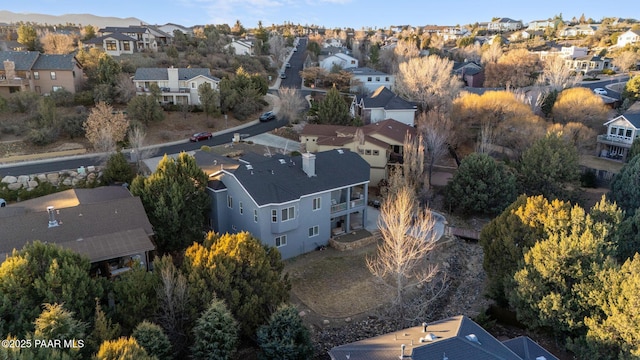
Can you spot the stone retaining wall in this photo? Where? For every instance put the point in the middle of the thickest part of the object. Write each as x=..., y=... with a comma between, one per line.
x=352, y=245
x=65, y=177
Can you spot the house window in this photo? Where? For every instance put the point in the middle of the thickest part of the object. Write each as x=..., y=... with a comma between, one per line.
x=53, y=75
x=628, y=134
x=240, y=208
x=193, y=85
x=56, y=88
x=353, y=62
x=612, y=131
x=126, y=46
x=369, y=79
x=620, y=132
x=229, y=202
x=274, y=216
x=313, y=231
x=110, y=45
x=360, y=151
x=376, y=152
x=74, y=74
x=36, y=75
x=288, y=213
x=377, y=78
x=281, y=240
x=386, y=78
x=367, y=152
x=255, y=215
x=316, y=203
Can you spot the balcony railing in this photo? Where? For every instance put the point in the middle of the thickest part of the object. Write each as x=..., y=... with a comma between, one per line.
x=615, y=139
x=338, y=207
x=357, y=203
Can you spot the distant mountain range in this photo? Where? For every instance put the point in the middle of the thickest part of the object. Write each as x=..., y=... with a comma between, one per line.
x=78, y=19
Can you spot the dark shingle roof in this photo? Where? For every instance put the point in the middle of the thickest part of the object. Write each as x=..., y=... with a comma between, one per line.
x=108, y=221
x=385, y=98
x=365, y=71
x=115, y=36
x=163, y=74
x=54, y=62
x=528, y=349
x=633, y=115
x=268, y=181
x=130, y=29
x=23, y=60
x=457, y=337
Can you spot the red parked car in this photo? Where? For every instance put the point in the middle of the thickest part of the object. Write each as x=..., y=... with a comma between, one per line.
x=201, y=136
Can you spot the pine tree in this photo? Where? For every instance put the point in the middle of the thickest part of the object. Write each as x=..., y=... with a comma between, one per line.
x=285, y=337
x=333, y=109
x=175, y=200
x=240, y=270
x=216, y=333
x=151, y=337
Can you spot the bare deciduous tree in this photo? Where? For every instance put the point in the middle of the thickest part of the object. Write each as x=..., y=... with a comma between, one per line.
x=428, y=81
x=53, y=43
x=436, y=130
x=408, y=236
x=104, y=127
x=625, y=60
x=492, y=53
x=277, y=48
x=137, y=142
x=413, y=160
x=172, y=301
x=557, y=75
x=125, y=89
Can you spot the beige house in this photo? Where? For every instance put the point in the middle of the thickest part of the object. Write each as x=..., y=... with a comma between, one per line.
x=379, y=144
x=114, y=44
x=40, y=73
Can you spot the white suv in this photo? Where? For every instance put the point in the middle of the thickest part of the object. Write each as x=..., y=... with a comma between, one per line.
x=600, y=91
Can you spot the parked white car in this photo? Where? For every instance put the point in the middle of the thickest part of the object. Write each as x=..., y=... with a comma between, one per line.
x=600, y=91
x=2, y=203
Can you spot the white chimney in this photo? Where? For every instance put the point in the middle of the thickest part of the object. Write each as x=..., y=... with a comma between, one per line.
x=52, y=217
x=309, y=164
x=172, y=77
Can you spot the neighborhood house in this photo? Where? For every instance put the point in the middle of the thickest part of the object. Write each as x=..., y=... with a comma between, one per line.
x=293, y=203
x=106, y=224
x=178, y=86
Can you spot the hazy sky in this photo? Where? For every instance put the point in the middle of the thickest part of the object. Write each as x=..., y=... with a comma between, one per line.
x=329, y=13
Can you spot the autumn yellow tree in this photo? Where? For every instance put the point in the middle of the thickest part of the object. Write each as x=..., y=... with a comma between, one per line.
x=496, y=117
x=580, y=105
x=513, y=69
x=53, y=43
x=104, y=128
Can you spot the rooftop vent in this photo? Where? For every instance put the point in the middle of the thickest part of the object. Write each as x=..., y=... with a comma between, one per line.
x=473, y=338
x=424, y=327
x=541, y=358
x=402, y=351
x=340, y=151
x=282, y=161
x=249, y=167
x=429, y=337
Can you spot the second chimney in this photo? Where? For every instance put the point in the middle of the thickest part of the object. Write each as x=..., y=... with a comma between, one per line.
x=309, y=164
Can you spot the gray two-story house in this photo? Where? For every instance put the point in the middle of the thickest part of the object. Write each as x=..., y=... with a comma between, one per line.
x=294, y=203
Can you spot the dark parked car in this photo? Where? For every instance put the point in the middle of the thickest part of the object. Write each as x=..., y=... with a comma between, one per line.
x=268, y=116
x=201, y=136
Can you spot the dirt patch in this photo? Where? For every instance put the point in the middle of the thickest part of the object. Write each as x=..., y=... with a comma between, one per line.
x=335, y=284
